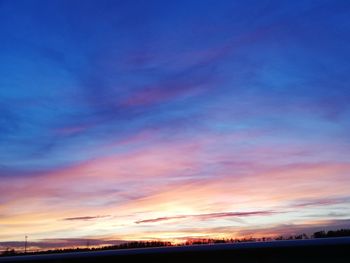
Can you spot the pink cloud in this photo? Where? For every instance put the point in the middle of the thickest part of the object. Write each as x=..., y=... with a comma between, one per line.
x=165, y=181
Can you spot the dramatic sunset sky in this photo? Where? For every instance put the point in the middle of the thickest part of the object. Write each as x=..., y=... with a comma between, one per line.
x=172, y=120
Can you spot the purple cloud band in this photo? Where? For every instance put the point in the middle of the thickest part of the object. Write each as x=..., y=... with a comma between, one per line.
x=208, y=216
x=84, y=218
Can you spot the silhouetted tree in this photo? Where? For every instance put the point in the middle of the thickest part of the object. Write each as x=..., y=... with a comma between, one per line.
x=305, y=236
x=320, y=234
x=9, y=252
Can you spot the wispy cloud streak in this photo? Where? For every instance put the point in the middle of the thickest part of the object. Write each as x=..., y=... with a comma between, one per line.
x=208, y=216
x=85, y=218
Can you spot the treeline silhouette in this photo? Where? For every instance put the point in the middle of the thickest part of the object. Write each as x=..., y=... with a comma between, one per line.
x=331, y=233
x=133, y=244
x=147, y=244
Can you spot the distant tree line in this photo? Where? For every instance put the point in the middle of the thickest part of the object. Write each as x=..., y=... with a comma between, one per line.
x=133, y=244
x=9, y=252
x=139, y=244
x=146, y=244
x=331, y=233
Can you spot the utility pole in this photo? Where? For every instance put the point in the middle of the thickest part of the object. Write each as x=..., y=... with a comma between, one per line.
x=25, y=244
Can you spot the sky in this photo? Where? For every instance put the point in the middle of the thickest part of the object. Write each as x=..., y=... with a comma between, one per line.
x=172, y=120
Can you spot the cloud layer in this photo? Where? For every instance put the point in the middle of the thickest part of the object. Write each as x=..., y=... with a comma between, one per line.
x=125, y=121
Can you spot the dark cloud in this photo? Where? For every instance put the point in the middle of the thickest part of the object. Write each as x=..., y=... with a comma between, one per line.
x=84, y=218
x=321, y=201
x=154, y=220
x=208, y=216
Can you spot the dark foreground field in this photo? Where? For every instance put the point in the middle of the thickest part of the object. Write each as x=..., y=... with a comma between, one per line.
x=317, y=250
